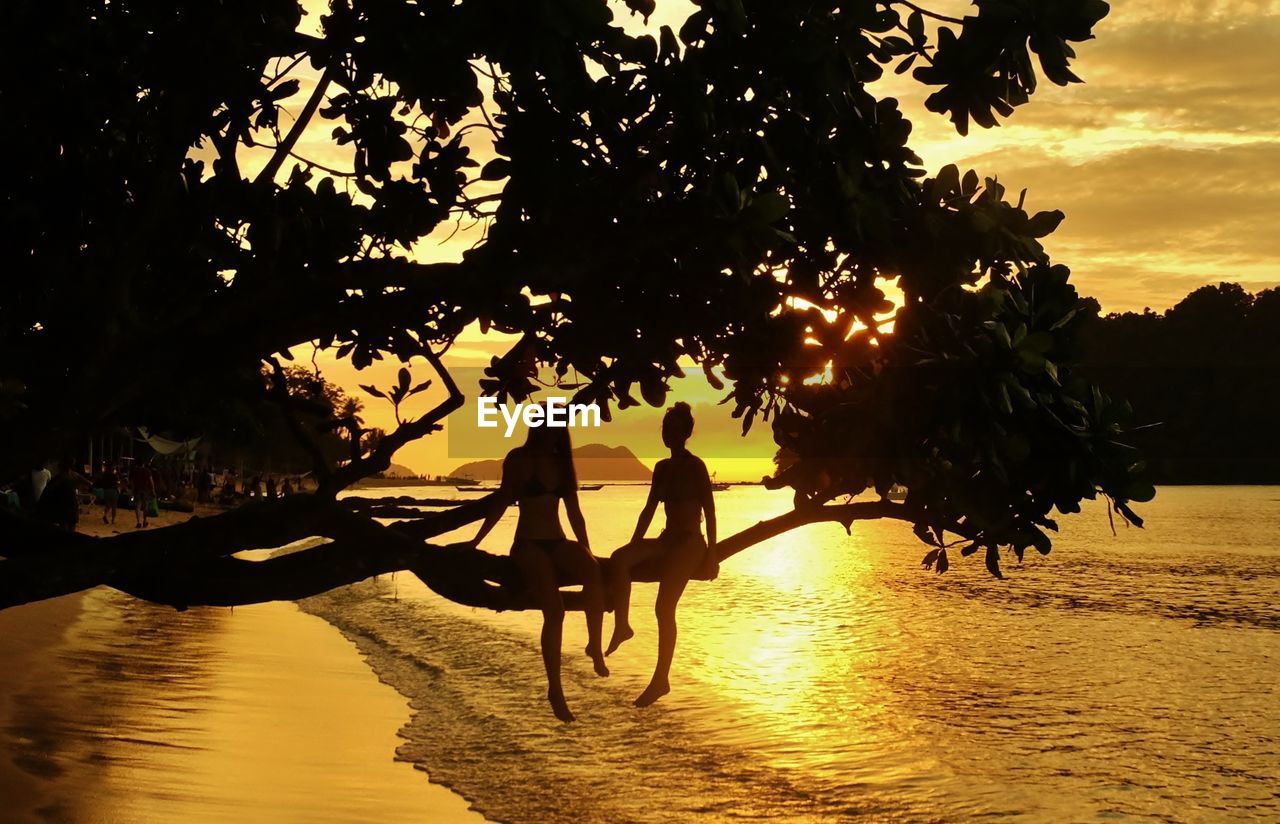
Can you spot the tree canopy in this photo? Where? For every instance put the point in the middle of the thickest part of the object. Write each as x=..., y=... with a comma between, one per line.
x=1205, y=376
x=733, y=193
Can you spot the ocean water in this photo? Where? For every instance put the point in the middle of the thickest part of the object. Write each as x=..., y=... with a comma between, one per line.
x=143, y=714
x=826, y=676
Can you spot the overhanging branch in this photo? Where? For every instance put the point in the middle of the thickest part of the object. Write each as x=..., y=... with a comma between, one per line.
x=285, y=148
x=844, y=514
x=191, y=564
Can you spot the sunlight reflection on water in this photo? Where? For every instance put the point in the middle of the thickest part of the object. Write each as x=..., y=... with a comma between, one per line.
x=827, y=675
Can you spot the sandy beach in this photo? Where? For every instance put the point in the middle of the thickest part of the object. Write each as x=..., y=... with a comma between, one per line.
x=112, y=709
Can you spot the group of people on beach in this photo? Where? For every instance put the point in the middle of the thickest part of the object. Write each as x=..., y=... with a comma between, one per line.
x=231, y=489
x=539, y=476
x=140, y=484
x=54, y=495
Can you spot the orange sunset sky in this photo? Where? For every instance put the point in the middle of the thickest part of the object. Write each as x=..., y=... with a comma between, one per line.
x=1165, y=162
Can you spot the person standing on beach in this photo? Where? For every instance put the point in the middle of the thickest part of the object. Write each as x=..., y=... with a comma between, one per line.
x=204, y=485
x=109, y=483
x=538, y=476
x=59, y=502
x=40, y=477
x=143, y=482
x=228, y=487
x=682, y=485
x=271, y=487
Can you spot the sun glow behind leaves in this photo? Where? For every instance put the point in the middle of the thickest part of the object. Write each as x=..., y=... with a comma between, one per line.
x=1164, y=161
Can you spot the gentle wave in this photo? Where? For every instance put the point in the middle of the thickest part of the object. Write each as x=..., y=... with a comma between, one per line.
x=828, y=677
x=481, y=726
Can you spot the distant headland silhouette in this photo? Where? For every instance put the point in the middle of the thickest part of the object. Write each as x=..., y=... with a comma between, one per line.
x=595, y=462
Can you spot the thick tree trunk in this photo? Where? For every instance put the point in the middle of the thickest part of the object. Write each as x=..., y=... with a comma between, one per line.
x=193, y=563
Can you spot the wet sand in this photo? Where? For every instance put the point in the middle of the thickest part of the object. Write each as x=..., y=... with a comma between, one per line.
x=112, y=709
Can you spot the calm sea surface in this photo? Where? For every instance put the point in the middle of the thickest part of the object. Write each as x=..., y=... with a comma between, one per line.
x=827, y=676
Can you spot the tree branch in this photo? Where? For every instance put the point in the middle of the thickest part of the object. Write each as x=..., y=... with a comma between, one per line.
x=844, y=514
x=41, y=561
x=191, y=564
x=448, y=521
x=927, y=13
x=285, y=147
x=380, y=458
x=363, y=504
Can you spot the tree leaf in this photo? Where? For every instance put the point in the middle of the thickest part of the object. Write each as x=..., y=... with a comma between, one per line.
x=768, y=207
x=496, y=169
x=993, y=562
x=1044, y=223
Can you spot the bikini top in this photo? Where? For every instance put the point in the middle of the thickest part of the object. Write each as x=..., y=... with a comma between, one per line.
x=535, y=487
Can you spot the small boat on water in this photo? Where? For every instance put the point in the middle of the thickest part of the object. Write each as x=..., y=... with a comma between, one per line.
x=589, y=487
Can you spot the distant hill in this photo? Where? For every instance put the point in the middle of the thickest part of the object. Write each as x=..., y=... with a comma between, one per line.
x=595, y=462
x=399, y=471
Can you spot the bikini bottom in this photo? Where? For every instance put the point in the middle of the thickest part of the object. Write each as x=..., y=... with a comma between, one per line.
x=673, y=537
x=547, y=545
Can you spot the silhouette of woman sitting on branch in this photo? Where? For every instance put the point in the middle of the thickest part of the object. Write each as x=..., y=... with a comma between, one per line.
x=538, y=476
x=683, y=486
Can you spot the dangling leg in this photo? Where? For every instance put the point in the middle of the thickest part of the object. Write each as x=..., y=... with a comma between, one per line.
x=683, y=559
x=574, y=559
x=540, y=576
x=621, y=563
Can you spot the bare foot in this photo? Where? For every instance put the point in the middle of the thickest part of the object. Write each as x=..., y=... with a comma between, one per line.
x=652, y=693
x=620, y=634
x=559, y=706
x=598, y=660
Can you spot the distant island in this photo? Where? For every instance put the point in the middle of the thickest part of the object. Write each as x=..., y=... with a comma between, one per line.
x=594, y=461
x=401, y=475
x=399, y=471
